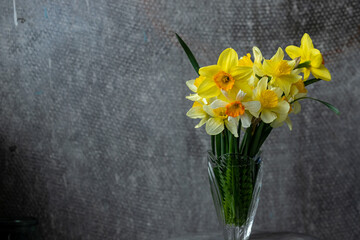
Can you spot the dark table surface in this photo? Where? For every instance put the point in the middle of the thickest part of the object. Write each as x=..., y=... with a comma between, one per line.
x=254, y=236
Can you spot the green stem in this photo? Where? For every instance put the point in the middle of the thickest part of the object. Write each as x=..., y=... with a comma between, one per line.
x=223, y=143
x=248, y=141
x=311, y=81
x=256, y=139
x=237, y=147
x=232, y=141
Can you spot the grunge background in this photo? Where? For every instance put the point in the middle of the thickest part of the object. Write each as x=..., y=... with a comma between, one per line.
x=94, y=140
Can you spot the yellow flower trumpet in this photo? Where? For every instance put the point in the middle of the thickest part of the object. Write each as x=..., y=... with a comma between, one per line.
x=308, y=53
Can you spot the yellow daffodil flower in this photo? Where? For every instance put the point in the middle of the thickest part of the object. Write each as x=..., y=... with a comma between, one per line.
x=307, y=52
x=197, y=112
x=219, y=118
x=298, y=90
x=281, y=71
x=237, y=109
x=273, y=106
x=226, y=75
x=252, y=68
x=193, y=86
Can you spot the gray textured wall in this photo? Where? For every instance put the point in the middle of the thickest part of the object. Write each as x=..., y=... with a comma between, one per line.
x=94, y=140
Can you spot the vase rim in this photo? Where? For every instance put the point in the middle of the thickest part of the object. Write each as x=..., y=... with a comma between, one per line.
x=227, y=154
x=242, y=160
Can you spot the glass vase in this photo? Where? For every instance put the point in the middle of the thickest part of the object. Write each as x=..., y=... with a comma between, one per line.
x=235, y=183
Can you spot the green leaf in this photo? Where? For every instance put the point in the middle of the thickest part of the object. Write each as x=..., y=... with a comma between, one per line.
x=311, y=81
x=189, y=54
x=247, y=138
x=330, y=106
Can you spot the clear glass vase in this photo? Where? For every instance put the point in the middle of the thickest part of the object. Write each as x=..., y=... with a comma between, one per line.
x=235, y=183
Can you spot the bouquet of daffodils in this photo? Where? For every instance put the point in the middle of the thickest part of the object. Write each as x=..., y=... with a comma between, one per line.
x=254, y=96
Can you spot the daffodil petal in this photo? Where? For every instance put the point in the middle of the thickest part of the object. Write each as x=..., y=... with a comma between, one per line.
x=296, y=107
x=284, y=82
x=232, y=125
x=194, y=97
x=214, y=126
x=208, y=89
x=218, y=103
x=227, y=59
x=316, y=58
x=276, y=123
x=293, y=51
x=282, y=107
x=209, y=110
x=240, y=95
x=292, y=63
x=245, y=120
x=225, y=94
x=268, y=66
x=277, y=91
x=262, y=85
x=257, y=55
x=289, y=123
x=279, y=55
x=191, y=85
x=241, y=72
x=306, y=43
x=267, y=116
x=322, y=73
x=241, y=85
x=196, y=112
x=209, y=71
x=253, y=107
x=202, y=122
x=306, y=73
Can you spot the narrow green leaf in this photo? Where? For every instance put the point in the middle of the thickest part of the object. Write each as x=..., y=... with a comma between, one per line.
x=189, y=54
x=330, y=106
x=311, y=81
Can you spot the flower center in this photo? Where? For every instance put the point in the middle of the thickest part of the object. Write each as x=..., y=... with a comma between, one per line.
x=268, y=99
x=224, y=80
x=235, y=109
x=245, y=61
x=220, y=113
x=283, y=68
